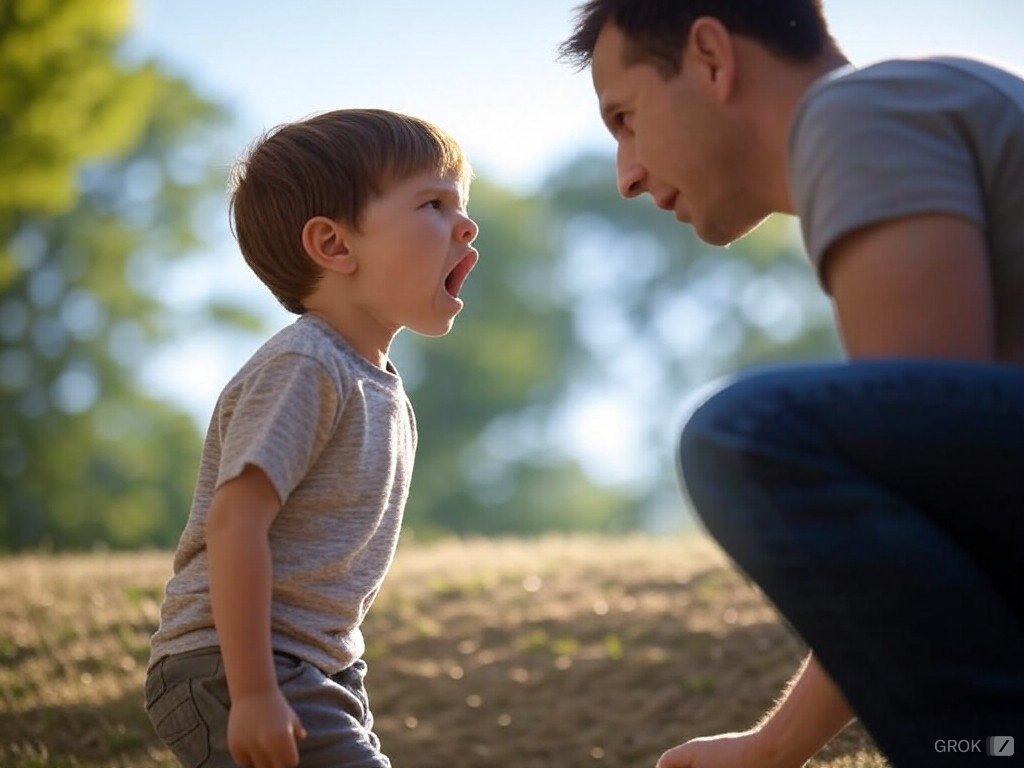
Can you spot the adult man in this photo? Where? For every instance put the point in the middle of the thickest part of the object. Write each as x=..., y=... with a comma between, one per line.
x=874, y=500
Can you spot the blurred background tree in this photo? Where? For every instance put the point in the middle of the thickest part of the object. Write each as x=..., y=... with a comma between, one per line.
x=551, y=406
x=657, y=314
x=591, y=320
x=101, y=171
x=487, y=394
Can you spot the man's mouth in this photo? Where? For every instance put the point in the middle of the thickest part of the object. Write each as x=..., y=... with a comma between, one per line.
x=457, y=276
x=667, y=202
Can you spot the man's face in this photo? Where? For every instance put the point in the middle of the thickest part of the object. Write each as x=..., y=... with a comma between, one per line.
x=675, y=140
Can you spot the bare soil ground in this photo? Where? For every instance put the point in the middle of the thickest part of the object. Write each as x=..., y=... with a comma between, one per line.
x=562, y=652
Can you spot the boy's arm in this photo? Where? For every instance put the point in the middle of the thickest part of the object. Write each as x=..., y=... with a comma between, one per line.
x=261, y=723
x=809, y=714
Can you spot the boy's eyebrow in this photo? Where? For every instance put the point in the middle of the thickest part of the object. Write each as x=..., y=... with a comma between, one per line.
x=442, y=189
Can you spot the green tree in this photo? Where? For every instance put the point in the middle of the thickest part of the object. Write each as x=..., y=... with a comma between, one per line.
x=658, y=313
x=486, y=394
x=104, y=162
x=580, y=293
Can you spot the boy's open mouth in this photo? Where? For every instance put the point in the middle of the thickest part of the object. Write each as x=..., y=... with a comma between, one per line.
x=455, y=279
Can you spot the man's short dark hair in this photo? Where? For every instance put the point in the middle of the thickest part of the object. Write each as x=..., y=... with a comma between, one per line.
x=657, y=30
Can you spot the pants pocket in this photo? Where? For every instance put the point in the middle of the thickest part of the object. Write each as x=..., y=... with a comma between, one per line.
x=175, y=717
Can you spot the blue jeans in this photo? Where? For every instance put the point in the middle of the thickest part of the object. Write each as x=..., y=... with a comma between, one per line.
x=880, y=506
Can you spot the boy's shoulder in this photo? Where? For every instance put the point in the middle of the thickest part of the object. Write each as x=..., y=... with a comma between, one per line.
x=309, y=341
x=306, y=336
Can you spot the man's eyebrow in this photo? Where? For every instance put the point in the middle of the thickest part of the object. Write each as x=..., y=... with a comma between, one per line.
x=608, y=111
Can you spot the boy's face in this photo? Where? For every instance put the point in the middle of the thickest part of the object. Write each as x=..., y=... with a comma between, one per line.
x=414, y=253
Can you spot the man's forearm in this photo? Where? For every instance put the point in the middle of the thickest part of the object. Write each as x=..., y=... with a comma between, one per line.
x=809, y=714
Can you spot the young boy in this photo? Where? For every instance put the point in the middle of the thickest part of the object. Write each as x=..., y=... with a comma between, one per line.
x=356, y=221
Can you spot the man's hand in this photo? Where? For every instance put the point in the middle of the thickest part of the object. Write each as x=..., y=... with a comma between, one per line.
x=810, y=712
x=728, y=750
x=264, y=731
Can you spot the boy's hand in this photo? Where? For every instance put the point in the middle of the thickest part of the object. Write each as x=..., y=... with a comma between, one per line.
x=728, y=750
x=264, y=731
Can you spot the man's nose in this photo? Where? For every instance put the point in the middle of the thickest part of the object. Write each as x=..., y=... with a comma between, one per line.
x=631, y=175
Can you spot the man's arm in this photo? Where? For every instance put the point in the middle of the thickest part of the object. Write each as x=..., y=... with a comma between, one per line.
x=916, y=287
x=262, y=728
x=808, y=715
x=810, y=712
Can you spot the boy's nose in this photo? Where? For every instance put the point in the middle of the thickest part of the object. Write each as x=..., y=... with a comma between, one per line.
x=468, y=230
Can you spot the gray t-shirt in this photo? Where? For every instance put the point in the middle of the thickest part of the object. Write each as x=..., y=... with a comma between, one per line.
x=899, y=138
x=336, y=436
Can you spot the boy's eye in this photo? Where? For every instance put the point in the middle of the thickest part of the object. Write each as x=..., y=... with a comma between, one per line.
x=435, y=203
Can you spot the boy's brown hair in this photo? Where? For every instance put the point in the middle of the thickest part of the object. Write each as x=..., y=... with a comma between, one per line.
x=330, y=165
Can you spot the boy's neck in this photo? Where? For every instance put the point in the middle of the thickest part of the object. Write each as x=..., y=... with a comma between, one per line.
x=377, y=353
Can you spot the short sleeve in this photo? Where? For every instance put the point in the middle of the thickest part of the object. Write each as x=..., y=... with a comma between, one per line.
x=279, y=418
x=867, y=149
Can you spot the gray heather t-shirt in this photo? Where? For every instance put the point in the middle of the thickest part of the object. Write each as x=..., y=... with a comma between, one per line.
x=336, y=436
x=898, y=138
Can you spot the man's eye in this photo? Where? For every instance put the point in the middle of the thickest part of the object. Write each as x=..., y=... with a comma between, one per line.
x=617, y=124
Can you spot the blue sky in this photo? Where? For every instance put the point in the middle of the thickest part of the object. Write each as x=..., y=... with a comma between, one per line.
x=484, y=70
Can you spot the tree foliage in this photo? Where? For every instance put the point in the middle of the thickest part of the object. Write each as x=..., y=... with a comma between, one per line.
x=579, y=291
x=105, y=163
x=485, y=395
x=658, y=314
x=102, y=168
x=695, y=310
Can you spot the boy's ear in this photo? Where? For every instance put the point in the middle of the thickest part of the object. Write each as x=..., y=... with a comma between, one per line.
x=326, y=242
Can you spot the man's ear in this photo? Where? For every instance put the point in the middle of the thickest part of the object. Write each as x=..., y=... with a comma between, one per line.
x=711, y=51
x=326, y=242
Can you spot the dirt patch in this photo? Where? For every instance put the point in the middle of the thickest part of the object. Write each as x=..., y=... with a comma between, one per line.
x=573, y=652
x=564, y=651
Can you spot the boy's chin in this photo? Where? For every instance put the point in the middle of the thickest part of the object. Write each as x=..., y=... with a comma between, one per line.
x=434, y=332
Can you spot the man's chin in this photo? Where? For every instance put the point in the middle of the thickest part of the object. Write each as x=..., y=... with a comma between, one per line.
x=720, y=234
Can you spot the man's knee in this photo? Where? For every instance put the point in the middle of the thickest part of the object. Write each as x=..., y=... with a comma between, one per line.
x=742, y=434
x=729, y=419
x=712, y=441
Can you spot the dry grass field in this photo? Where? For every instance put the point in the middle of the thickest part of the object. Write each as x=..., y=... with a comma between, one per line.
x=562, y=652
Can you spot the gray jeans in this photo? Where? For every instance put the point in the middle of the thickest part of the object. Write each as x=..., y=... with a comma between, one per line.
x=188, y=703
